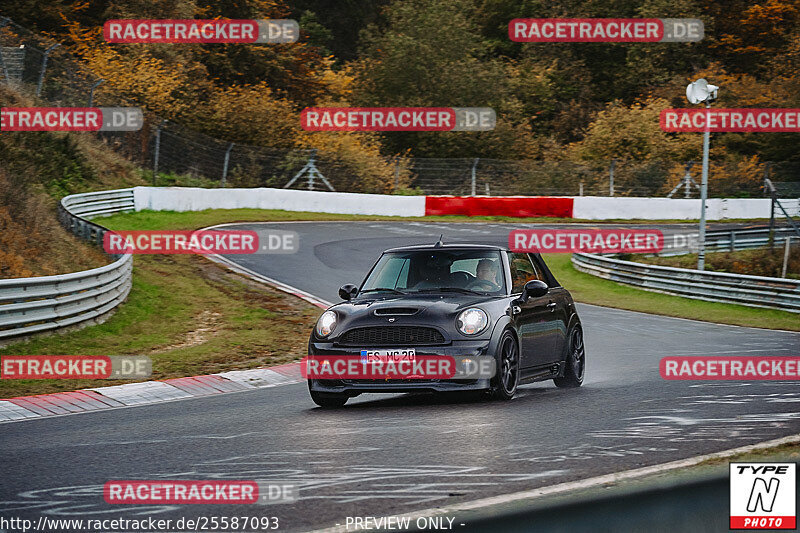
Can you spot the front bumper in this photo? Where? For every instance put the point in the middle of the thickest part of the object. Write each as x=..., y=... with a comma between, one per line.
x=354, y=387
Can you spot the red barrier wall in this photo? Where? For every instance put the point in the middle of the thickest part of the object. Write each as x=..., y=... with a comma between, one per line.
x=510, y=206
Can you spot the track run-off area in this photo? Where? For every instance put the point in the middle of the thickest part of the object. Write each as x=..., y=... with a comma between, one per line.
x=395, y=454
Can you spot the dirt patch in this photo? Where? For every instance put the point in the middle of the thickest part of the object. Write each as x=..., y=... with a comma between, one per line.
x=208, y=323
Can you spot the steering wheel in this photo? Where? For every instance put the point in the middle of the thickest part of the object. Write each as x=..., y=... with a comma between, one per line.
x=483, y=285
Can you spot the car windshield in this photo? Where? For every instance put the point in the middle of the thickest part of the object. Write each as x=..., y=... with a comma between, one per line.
x=456, y=271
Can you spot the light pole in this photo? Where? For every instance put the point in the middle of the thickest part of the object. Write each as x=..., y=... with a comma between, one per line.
x=700, y=92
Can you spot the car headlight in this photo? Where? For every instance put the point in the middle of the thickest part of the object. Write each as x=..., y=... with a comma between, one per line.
x=472, y=321
x=326, y=323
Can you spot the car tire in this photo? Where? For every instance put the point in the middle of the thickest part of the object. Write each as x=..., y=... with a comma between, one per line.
x=504, y=384
x=327, y=400
x=575, y=363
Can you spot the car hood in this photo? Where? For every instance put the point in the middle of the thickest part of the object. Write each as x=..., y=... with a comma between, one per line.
x=422, y=309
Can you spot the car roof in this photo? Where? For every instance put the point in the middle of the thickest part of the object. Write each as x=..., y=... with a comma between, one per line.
x=454, y=246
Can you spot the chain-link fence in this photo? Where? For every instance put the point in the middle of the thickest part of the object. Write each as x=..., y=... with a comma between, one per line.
x=177, y=155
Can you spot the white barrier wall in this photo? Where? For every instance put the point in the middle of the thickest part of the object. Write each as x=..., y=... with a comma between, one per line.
x=584, y=207
x=196, y=199
x=604, y=208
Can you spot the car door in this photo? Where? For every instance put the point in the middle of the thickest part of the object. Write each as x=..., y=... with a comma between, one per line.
x=557, y=301
x=535, y=319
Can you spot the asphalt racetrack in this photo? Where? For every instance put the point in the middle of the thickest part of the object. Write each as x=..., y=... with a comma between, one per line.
x=385, y=455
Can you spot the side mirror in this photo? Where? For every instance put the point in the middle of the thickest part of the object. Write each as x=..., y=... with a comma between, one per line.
x=348, y=292
x=533, y=289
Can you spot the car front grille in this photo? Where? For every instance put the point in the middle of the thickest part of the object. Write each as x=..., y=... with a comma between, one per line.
x=392, y=336
x=388, y=382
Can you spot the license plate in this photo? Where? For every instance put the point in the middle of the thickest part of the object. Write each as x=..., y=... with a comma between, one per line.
x=407, y=354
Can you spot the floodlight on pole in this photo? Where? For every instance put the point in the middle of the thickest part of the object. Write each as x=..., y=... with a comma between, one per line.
x=700, y=92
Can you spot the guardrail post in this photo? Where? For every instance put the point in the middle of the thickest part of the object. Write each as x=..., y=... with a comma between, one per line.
x=225, y=164
x=44, y=68
x=733, y=240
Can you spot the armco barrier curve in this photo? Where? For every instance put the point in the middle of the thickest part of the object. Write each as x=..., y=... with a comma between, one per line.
x=753, y=291
x=48, y=303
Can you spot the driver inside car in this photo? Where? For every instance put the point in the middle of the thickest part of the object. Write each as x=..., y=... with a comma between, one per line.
x=486, y=280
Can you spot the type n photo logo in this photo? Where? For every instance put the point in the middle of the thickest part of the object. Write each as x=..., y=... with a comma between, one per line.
x=763, y=496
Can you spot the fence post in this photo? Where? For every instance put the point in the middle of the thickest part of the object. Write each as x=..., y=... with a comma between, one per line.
x=225, y=164
x=157, y=151
x=44, y=68
x=580, y=189
x=787, y=245
x=3, y=22
x=474, y=168
x=687, y=192
x=611, y=177
x=91, y=92
x=772, y=220
x=487, y=188
x=396, y=173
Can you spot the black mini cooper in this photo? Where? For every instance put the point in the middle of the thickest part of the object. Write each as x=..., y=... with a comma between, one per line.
x=454, y=300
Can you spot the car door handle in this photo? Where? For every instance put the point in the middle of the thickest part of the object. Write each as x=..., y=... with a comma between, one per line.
x=552, y=306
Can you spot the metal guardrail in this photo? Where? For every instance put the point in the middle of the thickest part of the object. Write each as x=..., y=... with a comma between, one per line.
x=46, y=303
x=732, y=240
x=754, y=291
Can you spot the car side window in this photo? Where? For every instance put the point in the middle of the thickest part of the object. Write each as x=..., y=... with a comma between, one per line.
x=522, y=271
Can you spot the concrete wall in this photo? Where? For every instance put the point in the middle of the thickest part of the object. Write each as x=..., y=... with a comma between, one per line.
x=603, y=208
x=585, y=207
x=196, y=199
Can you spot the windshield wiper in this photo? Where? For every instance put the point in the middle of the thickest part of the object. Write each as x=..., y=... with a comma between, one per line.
x=451, y=289
x=395, y=291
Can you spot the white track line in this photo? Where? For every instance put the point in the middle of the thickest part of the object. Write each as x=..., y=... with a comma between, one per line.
x=235, y=267
x=576, y=485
